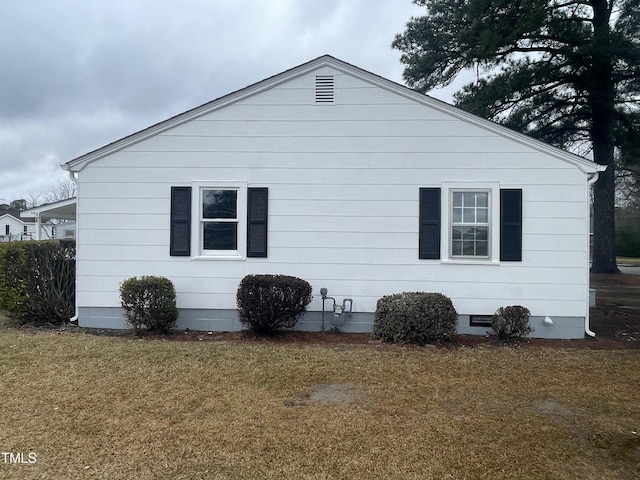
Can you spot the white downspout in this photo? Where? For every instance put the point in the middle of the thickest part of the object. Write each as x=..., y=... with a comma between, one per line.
x=75, y=317
x=593, y=178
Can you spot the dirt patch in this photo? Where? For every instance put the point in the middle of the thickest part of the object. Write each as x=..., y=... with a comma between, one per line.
x=334, y=393
x=618, y=324
x=617, y=316
x=555, y=409
x=618, y=290
x=325, y=394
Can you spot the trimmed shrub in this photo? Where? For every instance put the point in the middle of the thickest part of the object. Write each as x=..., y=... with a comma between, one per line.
x=150, y=302
x=414, y=317
x=512, y=322
x=37, y=281
x=267, y=303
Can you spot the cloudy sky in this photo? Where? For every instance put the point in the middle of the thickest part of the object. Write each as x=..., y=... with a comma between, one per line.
x=78, y=74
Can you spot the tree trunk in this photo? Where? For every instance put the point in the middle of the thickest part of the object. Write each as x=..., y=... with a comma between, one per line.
x=602, y=102
x=604, y=245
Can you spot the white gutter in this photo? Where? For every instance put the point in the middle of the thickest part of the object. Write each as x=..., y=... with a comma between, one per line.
x=593, y=178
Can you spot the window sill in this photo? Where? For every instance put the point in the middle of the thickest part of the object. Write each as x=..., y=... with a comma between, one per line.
x=469, y=261
x=218, y=258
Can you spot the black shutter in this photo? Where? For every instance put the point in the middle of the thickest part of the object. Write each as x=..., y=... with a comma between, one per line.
x=257, y=213
x=429, y=234
x=511, y=225
x=180, y=237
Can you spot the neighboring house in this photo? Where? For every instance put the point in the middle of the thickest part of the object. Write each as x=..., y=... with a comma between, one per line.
x=14, y=228
x=64, y=230
x=55, y=220
x=348, y=180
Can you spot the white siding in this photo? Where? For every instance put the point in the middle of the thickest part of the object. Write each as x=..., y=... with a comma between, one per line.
x=343, y=203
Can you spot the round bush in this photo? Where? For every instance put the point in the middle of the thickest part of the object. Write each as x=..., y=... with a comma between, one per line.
x=149, y=301
x=512, y=322
x=267, y=303
x=414, y=317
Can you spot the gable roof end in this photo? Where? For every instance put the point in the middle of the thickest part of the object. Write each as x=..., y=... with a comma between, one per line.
x=77, y=164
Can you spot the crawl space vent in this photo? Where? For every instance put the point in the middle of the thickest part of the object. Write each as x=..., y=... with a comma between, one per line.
x=325, y=89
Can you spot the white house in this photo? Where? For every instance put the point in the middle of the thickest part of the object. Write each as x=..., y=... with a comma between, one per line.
x=54, y=220
x=14, y=228
x=348, y=180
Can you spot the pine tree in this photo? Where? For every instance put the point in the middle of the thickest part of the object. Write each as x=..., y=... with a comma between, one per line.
x=566, y=72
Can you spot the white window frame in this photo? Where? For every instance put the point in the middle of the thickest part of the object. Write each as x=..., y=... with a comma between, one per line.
x=493, y=190
x=197, y=227
x=475, y=224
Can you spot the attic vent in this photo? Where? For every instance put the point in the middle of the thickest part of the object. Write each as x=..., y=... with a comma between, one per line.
x=325, y=89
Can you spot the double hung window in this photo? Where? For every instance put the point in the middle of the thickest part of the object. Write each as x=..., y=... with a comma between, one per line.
x=219, y=220
x=470, y=224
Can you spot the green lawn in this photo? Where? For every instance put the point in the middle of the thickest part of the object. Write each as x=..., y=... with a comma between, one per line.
x=120, y=408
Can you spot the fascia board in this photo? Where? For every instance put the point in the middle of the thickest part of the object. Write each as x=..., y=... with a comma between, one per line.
x=49, y=207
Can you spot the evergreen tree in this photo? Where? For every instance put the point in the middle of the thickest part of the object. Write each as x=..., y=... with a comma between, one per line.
x=18, y=205
x=566, y=72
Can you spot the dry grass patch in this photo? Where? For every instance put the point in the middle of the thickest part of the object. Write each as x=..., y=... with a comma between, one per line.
x=97, y=407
